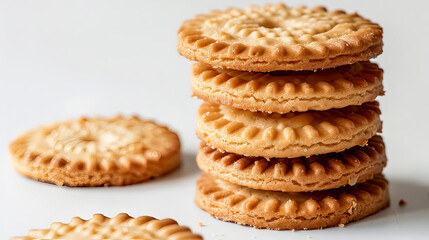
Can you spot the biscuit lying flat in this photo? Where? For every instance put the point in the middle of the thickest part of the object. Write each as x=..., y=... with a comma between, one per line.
x=281, y=210
x=287, y=91
x=98, y=151
x=288, y=135
x=120, y=227
x=276, y=37
x=316, y=173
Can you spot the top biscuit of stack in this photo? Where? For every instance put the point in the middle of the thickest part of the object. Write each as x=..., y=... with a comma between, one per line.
x=276, y=37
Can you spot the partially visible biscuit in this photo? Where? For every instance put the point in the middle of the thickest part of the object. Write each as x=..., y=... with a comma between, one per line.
x=120, y=227
x=286, y=135
x=96, y=152
x=316, y=173
x=283, y=210
x=287, y=91
x=276, y=37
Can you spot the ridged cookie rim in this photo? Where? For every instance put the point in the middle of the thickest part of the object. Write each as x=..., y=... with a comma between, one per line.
x=351, y=126
x=315, y=173
x=361, y=45
x=166, y=228
x=263, y=92
x=119, y=172
x=247, y=207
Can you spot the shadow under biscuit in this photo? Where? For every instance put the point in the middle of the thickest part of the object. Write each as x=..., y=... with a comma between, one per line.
x=416, y=206
x=187, y=168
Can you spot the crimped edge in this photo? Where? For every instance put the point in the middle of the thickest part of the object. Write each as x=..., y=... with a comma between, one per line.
x=362, y=123
x=163, y=228
x=57, y=170
x=206, y=82
x=315, y=173
x=76, y=174
x=362, y=45
x=337, y=207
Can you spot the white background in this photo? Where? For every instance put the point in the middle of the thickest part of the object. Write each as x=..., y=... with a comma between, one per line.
x=64, y=59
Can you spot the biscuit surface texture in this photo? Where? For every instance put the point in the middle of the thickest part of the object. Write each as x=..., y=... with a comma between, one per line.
x=315, y=173
x=97, y=151
x=286, y=135
x=276, y=37
x=120, y=227
x=281, y=210
x=286, y=91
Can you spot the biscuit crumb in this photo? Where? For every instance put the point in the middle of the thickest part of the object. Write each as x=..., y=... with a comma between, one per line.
x=341, y=225
x=293, y=230
x=402, y=203
x=200, y=224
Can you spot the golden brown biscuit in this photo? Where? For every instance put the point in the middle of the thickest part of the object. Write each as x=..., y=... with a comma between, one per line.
x=287, y=91
x=120, y=227
x=286, y=135
x=276, y=37
x=283, y=210
x=97, y=151
x=315, y=173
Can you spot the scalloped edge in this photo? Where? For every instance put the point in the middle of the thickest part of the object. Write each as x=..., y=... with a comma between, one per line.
x=361, y=45
x=315, y=173
x=333, y=134
x=265, y=209
x=163, y=228
x=58, y=170
x=228, y=88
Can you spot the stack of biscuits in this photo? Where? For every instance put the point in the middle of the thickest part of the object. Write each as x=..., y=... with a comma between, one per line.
x=289, y=123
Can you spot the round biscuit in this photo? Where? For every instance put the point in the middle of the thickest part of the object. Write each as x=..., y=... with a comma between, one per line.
x=293, y=211
x=315, y=173
x=96, y=152
x=288, y=91
x=294, y=134
x=277, y=37
x=120, y=227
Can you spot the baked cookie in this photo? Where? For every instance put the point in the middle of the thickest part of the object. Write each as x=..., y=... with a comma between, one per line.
x=286, y=91
x=283, y=210
x=276, y=37
x=120, y=227
x=286, y=135
x=97, y=151
x=316, y=173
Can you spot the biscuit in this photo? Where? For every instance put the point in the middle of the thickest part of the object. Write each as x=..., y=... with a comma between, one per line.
x=286, y=135
x=120, y=227
x=316, y=173
x=276, y=37
x=97, y=151
x=284, y=210
x=287, y=91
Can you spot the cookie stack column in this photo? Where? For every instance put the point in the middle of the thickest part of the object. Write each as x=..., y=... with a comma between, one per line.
x=289, y=126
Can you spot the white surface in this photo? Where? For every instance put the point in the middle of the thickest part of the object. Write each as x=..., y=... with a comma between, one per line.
x=64, y=59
